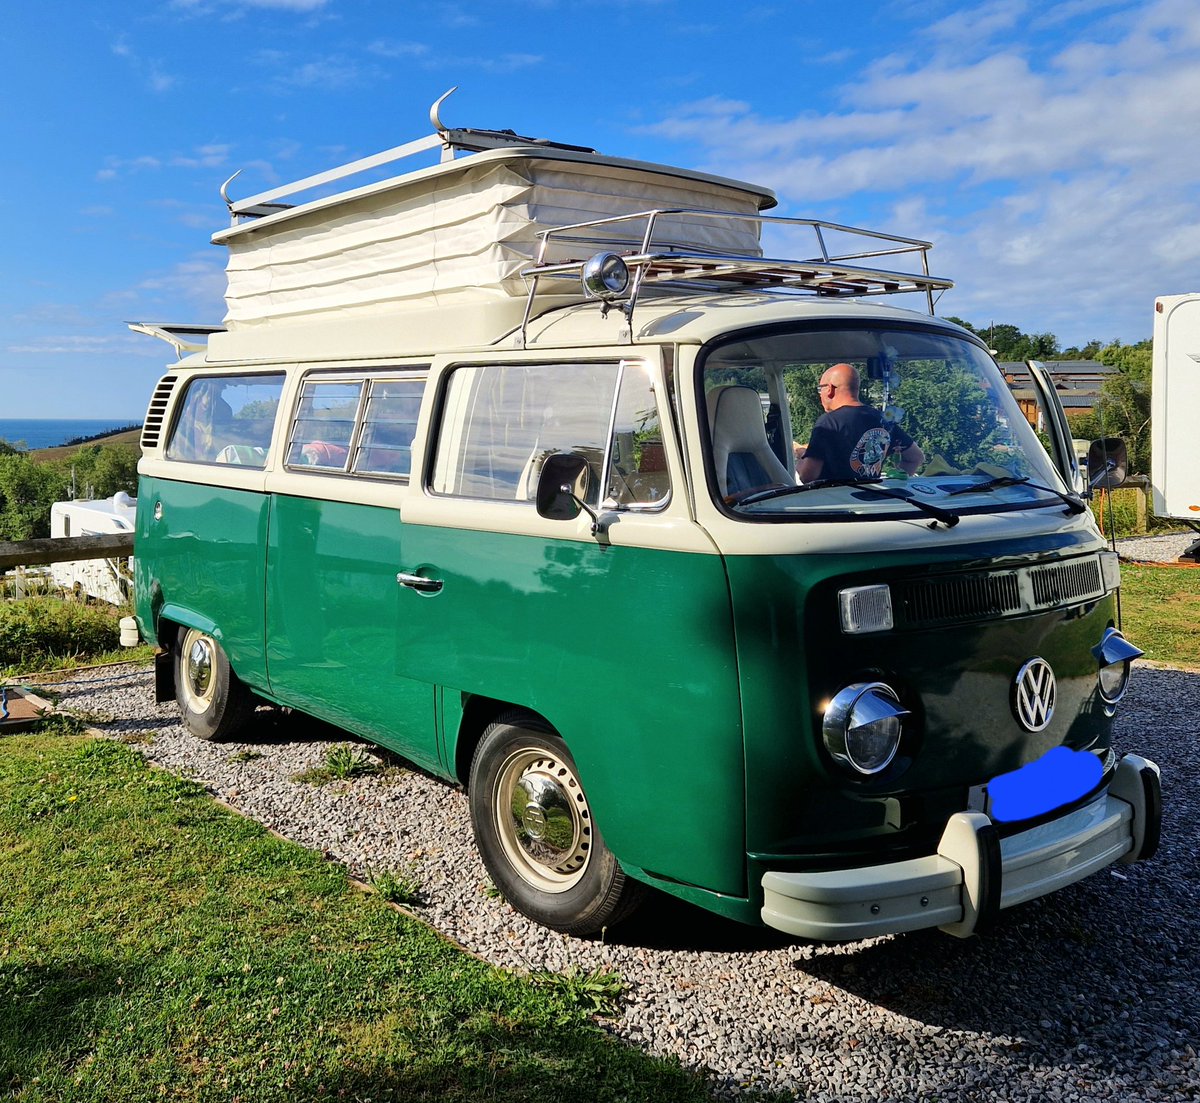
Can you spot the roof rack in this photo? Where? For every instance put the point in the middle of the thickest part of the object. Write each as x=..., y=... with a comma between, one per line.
x=650, y=261
x=447, y=139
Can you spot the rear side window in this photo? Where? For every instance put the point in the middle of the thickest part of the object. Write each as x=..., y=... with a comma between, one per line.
x=361, y=426
x=226, y=419
x=388, y=425
x=324, y=425
x=500, y=422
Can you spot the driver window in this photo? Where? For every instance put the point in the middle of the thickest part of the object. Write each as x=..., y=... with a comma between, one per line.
x=638, y=468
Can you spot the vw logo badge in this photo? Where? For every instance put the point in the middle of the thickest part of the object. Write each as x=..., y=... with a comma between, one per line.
x=1034, y=692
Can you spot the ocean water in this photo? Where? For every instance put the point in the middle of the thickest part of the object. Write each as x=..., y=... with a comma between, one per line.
x=32, y=433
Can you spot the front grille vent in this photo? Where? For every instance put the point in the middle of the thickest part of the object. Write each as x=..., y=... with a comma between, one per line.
x=1066, y=581
x=965, y=597
x=984, y=595
x=152, y=429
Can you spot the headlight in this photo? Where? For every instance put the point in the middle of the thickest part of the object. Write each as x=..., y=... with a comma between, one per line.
x=862, y=726
x=1114, y=654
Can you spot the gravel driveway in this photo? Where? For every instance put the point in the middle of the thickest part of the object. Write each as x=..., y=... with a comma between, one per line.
x=1091, y=994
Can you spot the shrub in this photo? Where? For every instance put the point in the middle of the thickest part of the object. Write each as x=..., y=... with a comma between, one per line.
x=44, y=629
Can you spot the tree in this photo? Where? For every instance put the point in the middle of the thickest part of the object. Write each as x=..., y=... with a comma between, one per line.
x=1123, y=408
x=27, y=491
x=100, y=470
x=1010, y=344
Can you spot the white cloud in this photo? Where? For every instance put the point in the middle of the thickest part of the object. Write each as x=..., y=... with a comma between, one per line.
x=1060, y=186
x=196, y=285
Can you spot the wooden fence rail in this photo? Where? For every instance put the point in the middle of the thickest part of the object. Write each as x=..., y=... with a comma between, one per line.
x=64, y=549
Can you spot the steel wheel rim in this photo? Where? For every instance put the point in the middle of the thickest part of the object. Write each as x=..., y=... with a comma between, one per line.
x=197, y=670
x=543, y=819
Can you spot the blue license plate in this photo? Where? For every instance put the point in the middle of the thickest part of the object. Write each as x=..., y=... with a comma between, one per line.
x=1059, y=777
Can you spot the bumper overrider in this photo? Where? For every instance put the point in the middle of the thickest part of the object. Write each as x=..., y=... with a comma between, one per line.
x=976, y=870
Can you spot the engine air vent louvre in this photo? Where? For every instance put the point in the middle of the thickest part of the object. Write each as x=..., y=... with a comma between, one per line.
x=152, y=429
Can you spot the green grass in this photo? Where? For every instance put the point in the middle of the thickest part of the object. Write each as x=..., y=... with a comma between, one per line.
x=1160, y=612
x=155, y=946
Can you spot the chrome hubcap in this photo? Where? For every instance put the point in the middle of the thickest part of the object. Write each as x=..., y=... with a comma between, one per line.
x=198, y=670
x=544, y=821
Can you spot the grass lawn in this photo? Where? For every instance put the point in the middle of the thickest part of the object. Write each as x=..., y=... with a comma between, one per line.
x=1160, y=609
x=154, y=946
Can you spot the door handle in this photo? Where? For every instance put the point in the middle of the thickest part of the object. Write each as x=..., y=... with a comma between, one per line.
x=421, y=585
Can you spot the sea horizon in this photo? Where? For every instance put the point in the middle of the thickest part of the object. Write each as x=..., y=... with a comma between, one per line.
x=33, y=433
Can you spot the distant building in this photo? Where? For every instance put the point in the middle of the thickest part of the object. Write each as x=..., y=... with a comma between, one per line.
x=1077, y=382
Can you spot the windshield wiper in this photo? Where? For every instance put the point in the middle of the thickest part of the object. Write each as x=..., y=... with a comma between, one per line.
x=944, y=515
x=1074, y=505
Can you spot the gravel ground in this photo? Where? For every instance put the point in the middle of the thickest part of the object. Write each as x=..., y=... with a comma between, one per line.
x=1089, y=995
x=1156, y=549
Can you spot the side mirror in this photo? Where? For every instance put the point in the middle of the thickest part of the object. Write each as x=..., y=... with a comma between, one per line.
x=1107, y=463
x=561, y=485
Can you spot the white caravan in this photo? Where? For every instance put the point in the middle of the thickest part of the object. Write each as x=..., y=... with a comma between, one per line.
x=1175, y=444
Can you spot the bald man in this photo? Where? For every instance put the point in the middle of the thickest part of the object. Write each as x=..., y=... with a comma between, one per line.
x=850, y=440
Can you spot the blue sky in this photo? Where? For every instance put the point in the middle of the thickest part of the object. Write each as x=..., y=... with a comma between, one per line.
x=1048, y=149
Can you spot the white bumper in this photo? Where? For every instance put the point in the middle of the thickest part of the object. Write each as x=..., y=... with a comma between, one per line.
x=975, y=872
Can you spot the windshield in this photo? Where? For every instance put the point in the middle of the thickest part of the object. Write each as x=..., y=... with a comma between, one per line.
x=867, y=422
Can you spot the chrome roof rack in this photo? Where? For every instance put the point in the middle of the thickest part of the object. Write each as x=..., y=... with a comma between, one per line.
x=651, y=261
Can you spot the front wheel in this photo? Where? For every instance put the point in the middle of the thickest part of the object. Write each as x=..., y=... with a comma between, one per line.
x=536, y=835
x=213, y=703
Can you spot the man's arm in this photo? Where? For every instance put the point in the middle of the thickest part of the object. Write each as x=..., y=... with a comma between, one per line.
x=910, y=459
x=809, y=468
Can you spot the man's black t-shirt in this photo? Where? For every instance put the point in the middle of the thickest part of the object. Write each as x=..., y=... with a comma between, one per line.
x=852, y=442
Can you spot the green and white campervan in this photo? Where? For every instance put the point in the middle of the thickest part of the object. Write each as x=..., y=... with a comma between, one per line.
x=493, y=463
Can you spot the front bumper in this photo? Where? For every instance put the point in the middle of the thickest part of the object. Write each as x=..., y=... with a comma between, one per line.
x=975, y=871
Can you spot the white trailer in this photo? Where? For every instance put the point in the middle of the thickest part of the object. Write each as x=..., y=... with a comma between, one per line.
x=1174, y=404
x=104, y=579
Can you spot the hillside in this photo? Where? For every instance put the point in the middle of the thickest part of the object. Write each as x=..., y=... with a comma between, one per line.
x=65, y=451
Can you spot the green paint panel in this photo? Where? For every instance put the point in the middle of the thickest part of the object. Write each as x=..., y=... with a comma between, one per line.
x=205, y=556
x=333, y=609
x=957, y=681
x=627, y=652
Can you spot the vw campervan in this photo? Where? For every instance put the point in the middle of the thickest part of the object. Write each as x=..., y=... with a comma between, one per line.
x=494, y=464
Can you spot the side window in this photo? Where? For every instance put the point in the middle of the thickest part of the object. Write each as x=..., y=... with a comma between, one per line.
x=499, y=422
x=324, y=425
x=227, y=419
x=389, y=424
x=637, y=473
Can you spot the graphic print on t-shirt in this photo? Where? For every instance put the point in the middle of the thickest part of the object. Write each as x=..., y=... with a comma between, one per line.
x=867, y=456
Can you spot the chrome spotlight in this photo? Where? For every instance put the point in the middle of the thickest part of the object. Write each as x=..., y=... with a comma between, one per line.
x=605, y=276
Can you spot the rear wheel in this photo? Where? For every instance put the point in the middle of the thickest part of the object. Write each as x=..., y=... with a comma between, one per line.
x=536, y=835
x=213, y=703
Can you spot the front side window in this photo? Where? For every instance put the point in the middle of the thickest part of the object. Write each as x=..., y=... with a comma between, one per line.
x=933, y=424
x=501, y=421
x=227, y=420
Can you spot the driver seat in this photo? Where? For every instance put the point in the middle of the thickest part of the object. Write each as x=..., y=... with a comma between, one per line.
x=741, y=453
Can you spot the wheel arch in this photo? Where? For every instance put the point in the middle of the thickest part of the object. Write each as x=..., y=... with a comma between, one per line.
x=173, y=617
x=477, y=713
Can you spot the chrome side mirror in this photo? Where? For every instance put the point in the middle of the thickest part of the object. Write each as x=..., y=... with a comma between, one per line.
x=1107, y=463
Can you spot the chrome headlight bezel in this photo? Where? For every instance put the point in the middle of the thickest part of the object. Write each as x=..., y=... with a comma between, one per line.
x=862, y=727
x=1114, y=656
